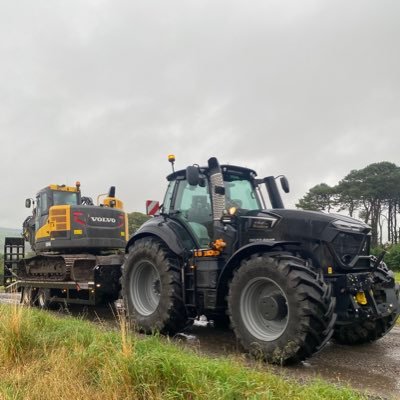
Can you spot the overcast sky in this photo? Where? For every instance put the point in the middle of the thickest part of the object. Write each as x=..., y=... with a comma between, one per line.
x=102, y=91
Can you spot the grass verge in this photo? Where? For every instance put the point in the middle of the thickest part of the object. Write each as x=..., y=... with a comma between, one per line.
x=44, y=357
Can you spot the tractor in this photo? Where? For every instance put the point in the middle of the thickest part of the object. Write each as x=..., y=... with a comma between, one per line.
x=286, y=281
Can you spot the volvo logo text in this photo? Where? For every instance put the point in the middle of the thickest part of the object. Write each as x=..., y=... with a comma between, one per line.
x=103, y=219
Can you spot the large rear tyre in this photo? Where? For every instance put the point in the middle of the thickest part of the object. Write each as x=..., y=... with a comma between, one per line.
x=151, y=288
x=280, y=310
x=365, y=331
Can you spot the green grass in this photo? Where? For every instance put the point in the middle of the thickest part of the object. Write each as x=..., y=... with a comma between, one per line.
x=44, y=357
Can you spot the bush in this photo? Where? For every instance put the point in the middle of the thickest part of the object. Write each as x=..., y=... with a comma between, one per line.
x=392, y=257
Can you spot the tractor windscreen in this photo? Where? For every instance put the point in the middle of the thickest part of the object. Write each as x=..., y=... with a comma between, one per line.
x=65, y=198
x=240, y=193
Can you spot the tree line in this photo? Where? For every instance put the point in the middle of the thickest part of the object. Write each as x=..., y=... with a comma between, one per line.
x=135, y=220
x=371, y=194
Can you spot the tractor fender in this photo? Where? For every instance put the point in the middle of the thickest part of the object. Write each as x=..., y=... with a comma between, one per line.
x=162, y=229
x=246, y=251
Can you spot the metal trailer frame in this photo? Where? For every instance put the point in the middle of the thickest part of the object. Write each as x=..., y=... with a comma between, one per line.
x=71, y=292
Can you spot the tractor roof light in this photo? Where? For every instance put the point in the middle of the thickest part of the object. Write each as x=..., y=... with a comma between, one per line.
x=171, y=159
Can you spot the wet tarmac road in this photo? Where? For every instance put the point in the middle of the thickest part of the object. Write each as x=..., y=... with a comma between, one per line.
x=372, y=368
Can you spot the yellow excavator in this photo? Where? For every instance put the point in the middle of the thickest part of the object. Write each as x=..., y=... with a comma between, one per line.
x=78, y=247
x=63, y=220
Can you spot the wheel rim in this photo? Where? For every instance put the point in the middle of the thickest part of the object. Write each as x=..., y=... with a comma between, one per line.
x=264, y=309
x=145, y=288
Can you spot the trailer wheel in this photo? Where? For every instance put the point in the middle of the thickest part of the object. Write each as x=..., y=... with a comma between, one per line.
x=43, y=298
x=280, y=309
x=364, y=331
x=151, y=288
x=28, y=296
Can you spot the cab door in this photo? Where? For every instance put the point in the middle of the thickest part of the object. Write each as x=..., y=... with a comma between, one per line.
x=192, y=206
x=42, y=215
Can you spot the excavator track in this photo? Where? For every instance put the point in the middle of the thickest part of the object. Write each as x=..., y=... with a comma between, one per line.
x=57, y=267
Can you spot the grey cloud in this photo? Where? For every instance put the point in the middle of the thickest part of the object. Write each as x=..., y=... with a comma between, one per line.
x=102, y=91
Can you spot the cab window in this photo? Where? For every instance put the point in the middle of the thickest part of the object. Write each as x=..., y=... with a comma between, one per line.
x=240, y=193
x=65, y=198
x=43, y=203
x=193, y=200
x=168, y=197
x=194, y=206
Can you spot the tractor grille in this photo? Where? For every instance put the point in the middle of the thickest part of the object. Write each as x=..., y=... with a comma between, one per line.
x=347, y=246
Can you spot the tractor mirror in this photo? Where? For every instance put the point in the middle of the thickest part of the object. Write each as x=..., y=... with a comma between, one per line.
x=28, y=203
x=192, y=175
x=285, y=184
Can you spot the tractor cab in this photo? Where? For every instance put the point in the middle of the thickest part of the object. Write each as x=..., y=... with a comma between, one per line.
x=209, y=201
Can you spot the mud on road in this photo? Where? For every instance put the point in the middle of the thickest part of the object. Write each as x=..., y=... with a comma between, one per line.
x=373, y=368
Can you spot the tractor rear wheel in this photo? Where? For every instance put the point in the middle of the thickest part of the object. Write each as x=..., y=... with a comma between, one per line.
x=152, y=289
x=280, y=309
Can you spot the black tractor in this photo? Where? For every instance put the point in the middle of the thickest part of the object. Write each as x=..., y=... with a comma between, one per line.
x=284, y=280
